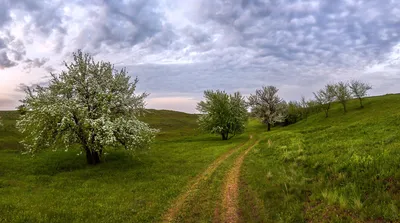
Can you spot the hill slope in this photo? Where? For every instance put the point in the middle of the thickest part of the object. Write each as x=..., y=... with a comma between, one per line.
x=58, y=186
x=172, y=124
x=344, y=168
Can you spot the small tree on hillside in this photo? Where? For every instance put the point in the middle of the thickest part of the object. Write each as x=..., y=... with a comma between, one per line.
x=359, y=90
x=90, y=104
x=325, y=97
x=304, y=108
x=342, y=93
x=267, y=105
x=223, y=114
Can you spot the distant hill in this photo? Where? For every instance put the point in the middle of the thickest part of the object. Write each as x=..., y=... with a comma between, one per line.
x=171, y=124
x=9, y=135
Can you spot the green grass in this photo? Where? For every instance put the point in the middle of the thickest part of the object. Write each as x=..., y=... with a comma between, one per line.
x=344, y=168
x=206, y=204
x=60, y=187
x=202, y=205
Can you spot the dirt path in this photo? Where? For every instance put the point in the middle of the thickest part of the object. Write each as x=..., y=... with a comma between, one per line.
x=180, y=201
x=230, y=200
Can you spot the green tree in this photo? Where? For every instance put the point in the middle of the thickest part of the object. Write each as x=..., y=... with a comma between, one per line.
x=223, y=114
x=313, y=106
x=342, y=93
x=267, y=105
x=325, y=97
x=90, y=104
x=293, y=112
x=359, y=90
x=304, y=108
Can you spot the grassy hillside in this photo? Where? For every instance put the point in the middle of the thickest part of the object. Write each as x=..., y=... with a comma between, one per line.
x=344, y=168
x=9, y=135
x=59, y=186
x=172, y=123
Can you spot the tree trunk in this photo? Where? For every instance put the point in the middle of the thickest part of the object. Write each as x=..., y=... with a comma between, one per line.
x=327, y=110
x=362, y=106
x=93, y=157
x=269, y=126
x=224, y=136
x=344, y=107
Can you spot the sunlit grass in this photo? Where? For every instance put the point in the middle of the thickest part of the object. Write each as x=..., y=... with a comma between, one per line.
x=60, y=187
x=343, y=168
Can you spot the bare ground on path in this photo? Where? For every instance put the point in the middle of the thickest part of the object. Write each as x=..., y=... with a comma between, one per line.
x=230, y=200
x=171, y=214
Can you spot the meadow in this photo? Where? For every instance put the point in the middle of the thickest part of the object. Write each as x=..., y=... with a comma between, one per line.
x=60, y=187
x=344, y=168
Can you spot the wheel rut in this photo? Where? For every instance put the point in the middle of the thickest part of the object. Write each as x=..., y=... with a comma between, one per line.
x=230, y=193
x=174, y=210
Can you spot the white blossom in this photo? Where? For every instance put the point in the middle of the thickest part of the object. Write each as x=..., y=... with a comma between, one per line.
x=90, y=104
x=268, y=106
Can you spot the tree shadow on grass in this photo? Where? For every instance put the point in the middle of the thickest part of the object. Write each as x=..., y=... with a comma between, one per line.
x=53, y=163
x=213, y=138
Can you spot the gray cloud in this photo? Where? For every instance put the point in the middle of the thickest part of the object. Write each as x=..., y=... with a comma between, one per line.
x=9, y=45
x=35, y=63
x=49, y=69
x=122, y=25
x=5, y=62
x=45, y=15
x=185, y=47
x=22, y=87
x=4, y=14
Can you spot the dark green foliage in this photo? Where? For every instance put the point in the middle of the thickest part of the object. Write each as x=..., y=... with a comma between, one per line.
x=297, y=111
x=223, y=114
x=294, y=112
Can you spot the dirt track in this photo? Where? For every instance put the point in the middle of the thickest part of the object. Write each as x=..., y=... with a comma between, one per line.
x=180, y=201
x=230, y=201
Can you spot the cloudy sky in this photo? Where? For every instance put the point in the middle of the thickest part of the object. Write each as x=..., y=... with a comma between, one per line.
x=179, y=48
